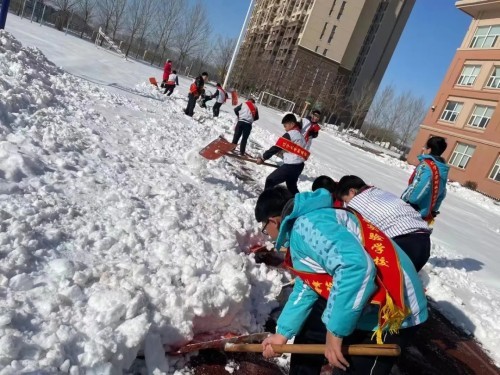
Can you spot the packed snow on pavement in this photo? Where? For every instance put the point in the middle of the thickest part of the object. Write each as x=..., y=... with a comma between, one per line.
x=116, y=236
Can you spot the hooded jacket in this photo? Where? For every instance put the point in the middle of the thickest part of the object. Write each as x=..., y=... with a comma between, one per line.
x=419, y=191
x=326, y=240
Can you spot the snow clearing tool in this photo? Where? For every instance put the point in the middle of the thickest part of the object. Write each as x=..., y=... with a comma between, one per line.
x=220, y=343
x=249, y=159
x=384, y=350
x=217, y=148
x=222, y=147
x=252, y=343
x=153, y=81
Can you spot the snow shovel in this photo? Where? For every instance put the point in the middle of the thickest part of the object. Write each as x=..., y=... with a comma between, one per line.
x=249, y=159
x=385, y=350
x=217, y=148
x=153, y=81
x=219, y=343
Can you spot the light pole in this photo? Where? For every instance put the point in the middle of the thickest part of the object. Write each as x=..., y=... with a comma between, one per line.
x=237, y=44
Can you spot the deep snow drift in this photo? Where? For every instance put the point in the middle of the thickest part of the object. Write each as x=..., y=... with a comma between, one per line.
x=109, y=237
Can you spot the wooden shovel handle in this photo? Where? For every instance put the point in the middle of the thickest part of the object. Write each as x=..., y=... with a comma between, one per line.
x=388, y=350
x=251, y=160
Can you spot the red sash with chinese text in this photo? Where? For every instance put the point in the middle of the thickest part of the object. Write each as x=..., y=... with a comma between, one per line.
x=294, y=148
x=390, y=290
x=252, y=108
x=435, y=179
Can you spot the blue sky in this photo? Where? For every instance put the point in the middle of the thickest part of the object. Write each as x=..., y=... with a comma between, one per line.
x=429, y=41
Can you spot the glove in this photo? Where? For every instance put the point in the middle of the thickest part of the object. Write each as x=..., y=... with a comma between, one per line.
x=259, y=161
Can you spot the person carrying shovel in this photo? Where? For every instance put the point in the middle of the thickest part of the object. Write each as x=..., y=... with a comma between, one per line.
x=353, y=285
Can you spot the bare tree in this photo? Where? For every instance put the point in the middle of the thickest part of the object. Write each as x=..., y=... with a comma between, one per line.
x=137, y=18
x=166, y=21
x=117, y=16
x=359, y=104
x=413, y=116
x=65, y=8
x=203, y=58
x=383, y=100
x=106, y=11
x=394, y=116
x=224, y=49
x=193, y=32
x=86, y=10
x=332, y=96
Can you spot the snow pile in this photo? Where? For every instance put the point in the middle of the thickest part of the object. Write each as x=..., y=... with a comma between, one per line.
x=111, y=240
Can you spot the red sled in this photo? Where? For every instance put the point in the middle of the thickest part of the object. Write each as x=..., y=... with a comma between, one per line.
x=218, y=148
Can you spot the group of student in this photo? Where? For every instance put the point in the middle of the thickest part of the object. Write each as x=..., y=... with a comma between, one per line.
x=294, y=144
x=197, y=93
x=356, y=251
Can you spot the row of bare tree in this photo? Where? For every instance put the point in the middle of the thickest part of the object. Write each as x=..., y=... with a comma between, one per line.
x=394, y=117
x=151, y=29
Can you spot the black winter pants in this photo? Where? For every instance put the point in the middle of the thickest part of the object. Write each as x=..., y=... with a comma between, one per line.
x=242, y=129
x=191, y=104
x=216, y=109
x=314, y=332
x=169, y=89
x=417, y=246
x=287, y=173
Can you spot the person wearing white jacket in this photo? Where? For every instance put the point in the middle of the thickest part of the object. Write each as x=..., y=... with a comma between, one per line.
x=172, y=81
x=247, y=113
x=293, y=164
x=220, y=97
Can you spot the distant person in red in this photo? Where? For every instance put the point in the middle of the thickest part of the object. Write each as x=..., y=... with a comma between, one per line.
x=329, y=184
x=167, y=70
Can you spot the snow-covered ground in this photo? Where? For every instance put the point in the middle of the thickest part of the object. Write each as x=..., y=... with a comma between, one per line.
x=115, y=236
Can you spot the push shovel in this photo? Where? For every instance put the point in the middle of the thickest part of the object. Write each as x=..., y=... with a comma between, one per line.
x=386, y=350
x=248, y=343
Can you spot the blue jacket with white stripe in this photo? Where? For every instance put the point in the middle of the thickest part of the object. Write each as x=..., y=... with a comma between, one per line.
x=419, y=192
x=326, y=240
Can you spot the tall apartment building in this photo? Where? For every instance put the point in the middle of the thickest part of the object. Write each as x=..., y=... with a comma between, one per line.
x=466, y=108
x=300, y=49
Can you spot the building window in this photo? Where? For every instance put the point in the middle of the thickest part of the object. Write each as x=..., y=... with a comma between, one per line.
x=481, y=116
x=323, y=32
x=332, y=34
x=333, y=6
x=461, y=155
x=494, y=80
x=451, y=111
x=469, y=74
x=495, y=172
x=325, y=51
x=341, y=10
x=485, y=36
